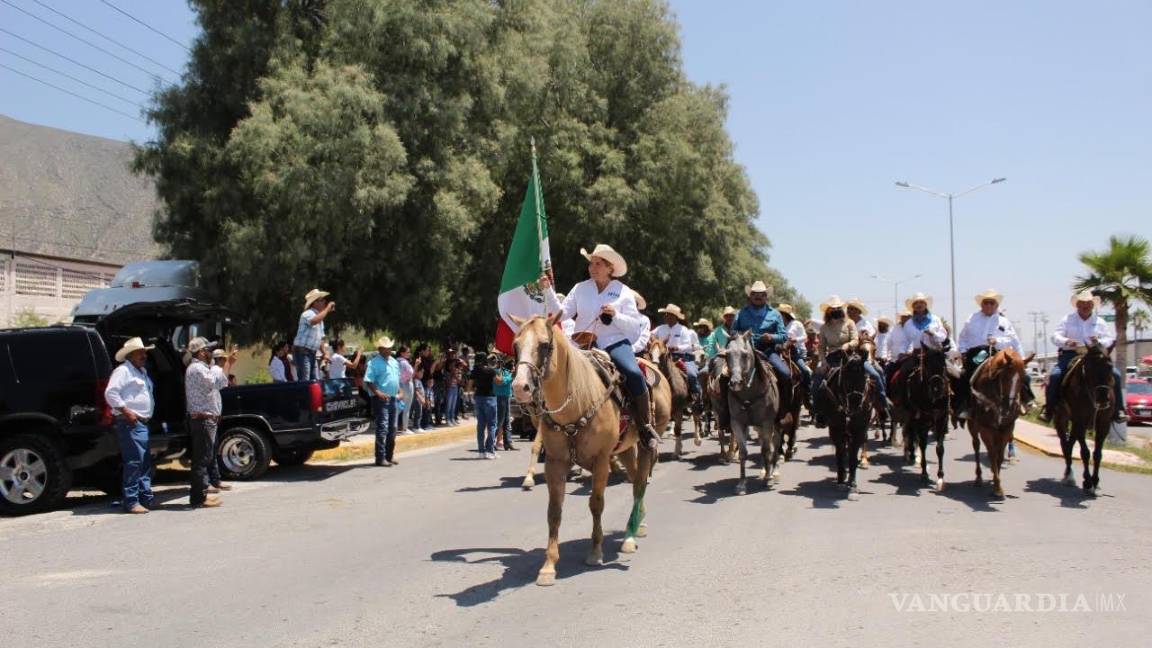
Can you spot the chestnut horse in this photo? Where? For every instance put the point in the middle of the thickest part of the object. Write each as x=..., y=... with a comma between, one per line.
x=997, y=388
x=658, y=353
x=579, y=423
x=1087, y=401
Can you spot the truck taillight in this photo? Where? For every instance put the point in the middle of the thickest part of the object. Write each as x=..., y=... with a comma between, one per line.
x=317, y=395
x=105, y=410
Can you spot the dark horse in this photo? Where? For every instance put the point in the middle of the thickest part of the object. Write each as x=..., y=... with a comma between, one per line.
x=847, y=406
x=926, y=401
x=997, y=388
x=1087, y=401
x=792, y=397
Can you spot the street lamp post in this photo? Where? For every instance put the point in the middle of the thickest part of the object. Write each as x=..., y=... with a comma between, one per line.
x=896, y=291
x=951, y=229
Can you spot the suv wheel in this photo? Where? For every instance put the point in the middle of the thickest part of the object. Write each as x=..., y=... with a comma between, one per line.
x=293, y=457
x=244, y=453
x=33, y=476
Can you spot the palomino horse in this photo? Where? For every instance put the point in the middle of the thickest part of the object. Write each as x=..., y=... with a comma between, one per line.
x=1087, y=402
x=753, y=400
x=847, y=405
x=579, y=423
x=657, y=351
x=792, y=397
x=997, y=385
x=926, y=401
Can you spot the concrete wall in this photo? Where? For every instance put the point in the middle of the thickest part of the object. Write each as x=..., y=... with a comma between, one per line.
x=47, y=286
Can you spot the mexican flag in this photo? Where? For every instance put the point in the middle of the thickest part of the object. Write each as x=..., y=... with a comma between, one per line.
x=528, y=258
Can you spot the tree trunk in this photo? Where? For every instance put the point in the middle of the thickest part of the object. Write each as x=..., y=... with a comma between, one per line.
x=1122, y=335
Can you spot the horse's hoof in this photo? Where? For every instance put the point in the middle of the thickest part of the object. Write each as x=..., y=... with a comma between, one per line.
x=1013, y=460
x=741, y=489
x=842, y=486
x=998, y=492
x=594, y=559
x=853, y=494
x=940, y=485
x=776, y=476
x=642, y=531
x=1068, y=480
x=864, y=465
x=528, y=484
x=924, y=478
x=628, y=546
x=546, y=579
x=979, y=480
x=697, y=441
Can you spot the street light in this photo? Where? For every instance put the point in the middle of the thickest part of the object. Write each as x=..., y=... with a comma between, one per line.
x=951, y=235
x=896, y=291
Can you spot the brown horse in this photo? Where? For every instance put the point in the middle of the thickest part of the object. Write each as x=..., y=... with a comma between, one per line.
x=1086, y=402
x=579, y=423
x=792, y=397
x=997, y=386
x=658, y=353
x=715, y=389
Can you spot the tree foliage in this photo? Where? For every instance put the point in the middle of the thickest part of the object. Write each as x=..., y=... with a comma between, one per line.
x=379, y=149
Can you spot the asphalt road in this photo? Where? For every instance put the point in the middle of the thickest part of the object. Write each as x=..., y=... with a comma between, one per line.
x=443, y=551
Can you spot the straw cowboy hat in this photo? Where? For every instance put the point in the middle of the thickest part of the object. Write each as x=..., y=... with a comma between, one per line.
x=619, y=265
x=641, y=303
x=833, y=302
x=219, y=353
x=134, y=344
x=883, y=320
x=989, y=294
x=673, y=309
x=728, y=310
x=786, y=308
x=918, y=297
x=858, y=305
x=757, y=287
x=384, y=343
x=904, y=312
x=703, y=322
x=1086, y=296
x=198, y=344
x=312, y=296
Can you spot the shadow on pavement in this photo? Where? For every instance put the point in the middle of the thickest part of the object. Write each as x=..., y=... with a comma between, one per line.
x=823, y=493
x=520, y=566
x=1072, y=497
x=505, y=482
x=313, y=472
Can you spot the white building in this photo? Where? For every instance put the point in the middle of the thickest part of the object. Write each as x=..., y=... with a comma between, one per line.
x=71, y=214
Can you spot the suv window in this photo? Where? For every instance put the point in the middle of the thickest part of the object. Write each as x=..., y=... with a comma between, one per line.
x=51, y=356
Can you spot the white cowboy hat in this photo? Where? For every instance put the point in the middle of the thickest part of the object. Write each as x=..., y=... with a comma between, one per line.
x=134, y=344
x=989, y=294
x=219, y=353
x=858, y=305
x=198, y=344
x=756, y=287
x=917, y=298
x=728, y=310
x=904, y=312
x=619, y=265
x=786, y=308
x=384, y=343
x=883, y=320
x=312, y=296
x=833, y=302
x=703, y=322
x=673, y=309
x=641, y=303
x=1086, y=296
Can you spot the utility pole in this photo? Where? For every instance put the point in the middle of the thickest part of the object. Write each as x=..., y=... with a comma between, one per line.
x=1035, y=315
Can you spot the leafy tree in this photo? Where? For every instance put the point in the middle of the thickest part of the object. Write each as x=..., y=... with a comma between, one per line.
x=28, y=318
x=1119, y=275
x=380, y=148
x=1141, y=321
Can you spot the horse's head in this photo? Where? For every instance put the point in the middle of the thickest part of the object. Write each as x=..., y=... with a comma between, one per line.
x=656, y=350
x=1004, y=376
x=741, y=359
x=935, y=372
x=1097, y=367
x=534, y=347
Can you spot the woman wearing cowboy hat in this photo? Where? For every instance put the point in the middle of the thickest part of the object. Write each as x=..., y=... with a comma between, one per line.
x=605, y=307
x=682, y=343
x=923, y=324
x=856, y=312
x=839, y=334
x=1082, y=327
x=766, y=325
x=985, y=329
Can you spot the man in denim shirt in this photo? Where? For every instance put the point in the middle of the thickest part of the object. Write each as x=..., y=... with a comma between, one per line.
x=382, y=380
x=766, y=325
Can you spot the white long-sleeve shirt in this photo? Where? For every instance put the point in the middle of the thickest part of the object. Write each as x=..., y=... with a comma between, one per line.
x=882, y=346
x=796, y=334
x=865, y=326
x=641, y=342
x=980, y=327
x=1073, y=327
x=914, y=337
x=679, y=338
x=276, y=370
x=130, y=388
x=897, y=342
x=583, y=304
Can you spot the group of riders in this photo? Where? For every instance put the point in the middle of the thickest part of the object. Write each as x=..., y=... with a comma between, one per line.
x=605, y=313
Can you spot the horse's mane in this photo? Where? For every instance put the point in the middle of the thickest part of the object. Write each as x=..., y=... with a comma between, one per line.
x=582, y=381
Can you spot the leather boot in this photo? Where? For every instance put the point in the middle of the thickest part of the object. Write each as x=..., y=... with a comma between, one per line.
x=642, y=414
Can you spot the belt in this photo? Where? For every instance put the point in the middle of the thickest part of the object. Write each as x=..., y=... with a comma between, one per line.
x=204, y=416
x=139, y=419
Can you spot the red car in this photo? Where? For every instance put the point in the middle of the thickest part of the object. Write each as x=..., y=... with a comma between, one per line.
x=1139, y=401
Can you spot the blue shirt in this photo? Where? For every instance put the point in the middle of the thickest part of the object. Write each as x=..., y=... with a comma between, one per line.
x=384, y=374
x=504, y=389
x=764, y=319
x=309, y=335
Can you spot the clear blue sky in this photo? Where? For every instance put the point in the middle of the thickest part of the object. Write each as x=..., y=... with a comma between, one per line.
x=830, y=104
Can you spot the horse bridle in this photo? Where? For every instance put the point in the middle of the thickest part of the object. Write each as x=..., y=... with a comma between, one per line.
x=540, y=370
x=844, y=405
x=1011, y=407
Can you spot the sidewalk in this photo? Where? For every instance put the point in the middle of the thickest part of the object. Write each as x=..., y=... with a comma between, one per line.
x=363, y=445
x=1044, y=439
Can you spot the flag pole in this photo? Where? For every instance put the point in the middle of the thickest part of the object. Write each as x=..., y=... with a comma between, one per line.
x=538, y=201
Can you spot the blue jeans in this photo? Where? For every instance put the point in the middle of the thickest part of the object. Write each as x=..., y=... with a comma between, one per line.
x=486, y=424
x=503, y=418
x=691, y=370
x=1052, y=391
x=625, y=360
x=416, y=413
x=880, y=382
x=451, y=403
x=384, y=411
x=137, y=482
x=305, y=361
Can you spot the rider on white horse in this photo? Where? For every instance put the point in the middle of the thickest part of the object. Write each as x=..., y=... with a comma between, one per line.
x=985, y=329
x=1081, y=328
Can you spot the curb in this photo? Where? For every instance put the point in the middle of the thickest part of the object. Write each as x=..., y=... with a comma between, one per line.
x=364, y=445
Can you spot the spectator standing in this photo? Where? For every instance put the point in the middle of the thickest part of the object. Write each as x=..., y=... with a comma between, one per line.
x=219, y=361
x=419, y=400
x=485, y=377
x=453, y=377
x=202, y=385
x=310, y=333
x=129, y=395
x=338, y=365
x=465, y=405
x=407, y=391
x=503, y=391
x=280, y=364
x=382, y=381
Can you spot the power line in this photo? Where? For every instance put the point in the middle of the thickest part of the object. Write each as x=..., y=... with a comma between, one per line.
x=74, y=61
x=137, y=20
x=86, y=42
x=78, y=96
x=107, y=38
x=76, y=79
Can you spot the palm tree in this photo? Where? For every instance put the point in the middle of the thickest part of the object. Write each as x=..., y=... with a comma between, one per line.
x=1119, y=275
